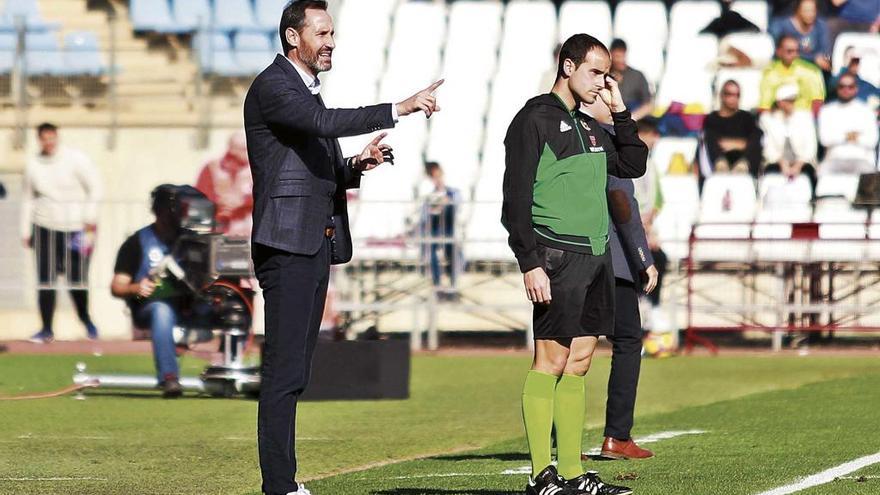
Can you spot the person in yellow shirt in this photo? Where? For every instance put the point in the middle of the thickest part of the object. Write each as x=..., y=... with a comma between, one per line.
x=788, y=69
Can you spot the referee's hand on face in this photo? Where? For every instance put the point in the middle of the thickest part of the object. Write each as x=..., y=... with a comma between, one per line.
x=537, y=286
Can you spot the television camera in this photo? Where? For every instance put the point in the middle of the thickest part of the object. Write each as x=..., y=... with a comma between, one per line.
x=214, y=271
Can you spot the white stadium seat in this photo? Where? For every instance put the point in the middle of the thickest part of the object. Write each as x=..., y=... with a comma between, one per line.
x=486, y=238
x=695, y=54
x=681, y=202
x=644, y=27
x=532, y=52
x=592, y=17
x=472, y=40
x=727, y=208
x=837, y=219
x=844, y=185
x=688, y=17
x=687, y=88
x=754, y=11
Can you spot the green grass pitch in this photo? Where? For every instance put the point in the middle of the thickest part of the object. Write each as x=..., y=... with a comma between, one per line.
x=767, y=422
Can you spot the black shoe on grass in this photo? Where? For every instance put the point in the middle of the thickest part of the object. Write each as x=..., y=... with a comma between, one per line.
x=548, y=482
x=589, y=483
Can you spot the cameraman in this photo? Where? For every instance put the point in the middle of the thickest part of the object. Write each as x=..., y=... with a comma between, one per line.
x=156, y=303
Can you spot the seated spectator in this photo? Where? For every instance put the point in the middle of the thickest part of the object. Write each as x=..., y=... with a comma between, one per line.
x=867, y=92
x=437, y=223
x=848, y=130
x=633, y=86
x=227, y=182
x=857, y=16
x=788, y=69
x=782, y=9
x=732, y=137
x=156, y=302
x=810, y=31
x=789, y=137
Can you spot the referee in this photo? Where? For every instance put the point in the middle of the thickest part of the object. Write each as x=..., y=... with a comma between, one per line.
x=556, y=213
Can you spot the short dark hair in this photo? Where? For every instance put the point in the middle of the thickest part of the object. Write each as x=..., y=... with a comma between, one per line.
x=730, y=81
x=294, y=16
x=46, y=127
x=648, y=125
x=430, y=167
x=576, y=49
x=787, y=37
x=618, y=44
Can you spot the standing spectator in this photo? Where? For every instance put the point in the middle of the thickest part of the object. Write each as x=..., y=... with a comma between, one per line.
x=732, y=137
x=62, y=188
x=810, y=31
x=789, y=137
x=438, y=225
x=848, y=129
x=227, y=182
x=860, y=16
x=788, y=69
x=781, y=9
x=633, y=85
x=867, y=92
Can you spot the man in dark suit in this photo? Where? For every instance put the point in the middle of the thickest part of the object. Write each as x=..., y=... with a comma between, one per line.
x=300, y=213
x=632, y=260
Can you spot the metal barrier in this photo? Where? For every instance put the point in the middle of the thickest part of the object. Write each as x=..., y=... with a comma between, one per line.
x=799, y=283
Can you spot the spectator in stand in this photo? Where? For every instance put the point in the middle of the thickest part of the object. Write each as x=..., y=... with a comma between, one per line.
x=789, y=137
x=633, y=85
x=867, y=92
x=788, y=69
x=810, y=31
x=732, y=137
x=650, y=199
x=59, y=214
x=859, y=16
x=227, y=182
x=439, y=207
x=848, y=131
x=782, y=9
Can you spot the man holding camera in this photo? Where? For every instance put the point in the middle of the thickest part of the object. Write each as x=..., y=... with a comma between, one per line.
x=156, y=302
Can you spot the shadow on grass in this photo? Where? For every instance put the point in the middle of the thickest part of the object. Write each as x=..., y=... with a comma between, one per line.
x=498, y=456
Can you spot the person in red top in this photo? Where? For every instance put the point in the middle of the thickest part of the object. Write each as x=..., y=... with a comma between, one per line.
x=227, y=182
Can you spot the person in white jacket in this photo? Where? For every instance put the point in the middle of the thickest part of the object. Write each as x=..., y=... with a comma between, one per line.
x=60, y=197
x=789, y=137
x=848, y=129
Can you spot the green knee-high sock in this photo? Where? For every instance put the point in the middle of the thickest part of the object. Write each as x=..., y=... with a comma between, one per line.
x=568, y=415
x=537, y=407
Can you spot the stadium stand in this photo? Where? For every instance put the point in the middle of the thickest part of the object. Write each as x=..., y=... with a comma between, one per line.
x=492, y=54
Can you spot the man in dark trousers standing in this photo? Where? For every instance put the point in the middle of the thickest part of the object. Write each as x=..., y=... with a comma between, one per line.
x=300, y=213
x=631, y=258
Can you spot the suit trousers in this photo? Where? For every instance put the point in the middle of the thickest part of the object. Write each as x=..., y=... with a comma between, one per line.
x=294, y=288
x=626, y=361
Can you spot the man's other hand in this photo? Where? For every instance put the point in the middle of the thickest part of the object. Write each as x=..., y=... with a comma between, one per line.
x=144, y=288
x=537, y=286
x=374, y=154
x=651, y=274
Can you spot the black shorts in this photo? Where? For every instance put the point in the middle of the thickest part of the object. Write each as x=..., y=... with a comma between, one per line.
x=581, y=292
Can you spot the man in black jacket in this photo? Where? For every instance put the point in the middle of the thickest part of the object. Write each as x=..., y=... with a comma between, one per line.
x=556, y=213
x=300, y=213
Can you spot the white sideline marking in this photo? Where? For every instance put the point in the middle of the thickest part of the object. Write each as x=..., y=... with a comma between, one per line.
x=61, y=437
x=653, y=438
x=53, y=479
x=825, y=476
